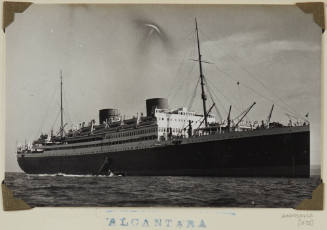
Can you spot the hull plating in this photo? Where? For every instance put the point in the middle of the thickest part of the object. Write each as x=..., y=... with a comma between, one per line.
x=282, y=155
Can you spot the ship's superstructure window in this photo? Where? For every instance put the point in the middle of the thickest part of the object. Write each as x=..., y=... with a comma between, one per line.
x=178, y=122
x=160, y=124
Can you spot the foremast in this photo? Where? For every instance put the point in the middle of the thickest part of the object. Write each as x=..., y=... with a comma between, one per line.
x=203, y=95
x=61, y=109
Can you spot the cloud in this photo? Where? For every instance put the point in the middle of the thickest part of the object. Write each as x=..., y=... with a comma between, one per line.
x=253, y=48
x=286, y=45
x=236, y=40
x=234, y=44
x=245, y=38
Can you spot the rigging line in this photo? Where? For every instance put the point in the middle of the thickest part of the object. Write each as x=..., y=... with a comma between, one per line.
x=267, y=88
x=66, y=107
x=58, y=113
x=193, y=96
x=186, y=91
x=190, y=35
x=182, y=83
x=227, y=99
x=235, y=106
x=180, y=66
x=217, y=99
x=290, y=109
x=240, y=95
x=176, y=77
x=46, y=112
x=211, y=56
x=214, y=95
x=192, y=51
x=213, y=99
x=238, y=116
x=253, y=90
x=291, y=116
x=71, y=115
x=194, y=41
x=223, y=95
x=74, y=115
x=179, y=81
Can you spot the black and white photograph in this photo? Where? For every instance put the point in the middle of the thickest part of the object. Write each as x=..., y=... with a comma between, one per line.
x=163, y=105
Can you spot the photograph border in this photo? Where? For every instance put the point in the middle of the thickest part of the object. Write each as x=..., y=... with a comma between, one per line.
x=317, y=9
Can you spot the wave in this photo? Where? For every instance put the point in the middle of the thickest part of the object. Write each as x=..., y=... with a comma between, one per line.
x=70, y=175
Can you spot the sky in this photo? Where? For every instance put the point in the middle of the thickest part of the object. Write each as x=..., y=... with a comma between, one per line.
x=117, y=56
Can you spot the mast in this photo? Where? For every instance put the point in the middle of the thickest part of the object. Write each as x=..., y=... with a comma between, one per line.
x=203, y=95
x=61, y=109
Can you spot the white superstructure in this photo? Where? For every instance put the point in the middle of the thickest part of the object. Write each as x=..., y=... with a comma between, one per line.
x=177, y=122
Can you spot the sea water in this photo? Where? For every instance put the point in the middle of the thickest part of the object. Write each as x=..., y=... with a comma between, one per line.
x=168, y=191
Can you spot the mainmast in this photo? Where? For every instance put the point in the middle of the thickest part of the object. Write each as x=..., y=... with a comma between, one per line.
x=61, y=109
x=203, y=95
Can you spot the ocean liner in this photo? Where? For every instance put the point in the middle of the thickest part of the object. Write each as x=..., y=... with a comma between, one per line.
x=172, y=142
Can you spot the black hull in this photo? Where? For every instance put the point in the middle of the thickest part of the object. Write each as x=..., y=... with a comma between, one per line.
x=279, y=155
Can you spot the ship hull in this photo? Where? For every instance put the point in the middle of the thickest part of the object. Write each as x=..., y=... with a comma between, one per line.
x=278, y=155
